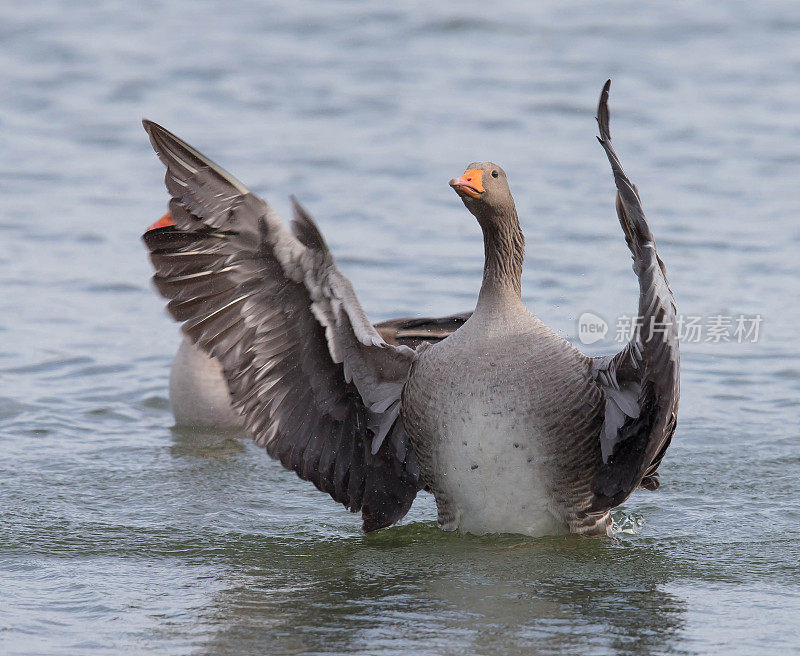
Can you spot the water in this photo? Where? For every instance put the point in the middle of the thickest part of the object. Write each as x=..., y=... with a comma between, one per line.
x=120, y=535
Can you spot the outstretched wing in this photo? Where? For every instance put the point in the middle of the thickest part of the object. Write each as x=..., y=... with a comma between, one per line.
x=315, y=382
x=198, y=391
x=641, y=382
x=413, y=331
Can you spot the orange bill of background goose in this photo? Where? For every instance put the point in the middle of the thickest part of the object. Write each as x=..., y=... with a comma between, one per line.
x=505, y=422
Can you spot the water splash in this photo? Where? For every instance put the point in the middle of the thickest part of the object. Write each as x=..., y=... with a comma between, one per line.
x=626, y=524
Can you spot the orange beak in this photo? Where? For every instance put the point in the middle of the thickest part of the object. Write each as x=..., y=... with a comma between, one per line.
x=164, y=222
x=470, y=184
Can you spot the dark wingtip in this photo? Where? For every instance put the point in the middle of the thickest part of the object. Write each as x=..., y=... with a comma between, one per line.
x=651, y=482
x=305, y=229
x=151, y=126
x=159, y=135
x=155, y=132
x=603, y=114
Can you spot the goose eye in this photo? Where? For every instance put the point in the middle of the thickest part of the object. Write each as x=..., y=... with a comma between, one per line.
x=495, y=173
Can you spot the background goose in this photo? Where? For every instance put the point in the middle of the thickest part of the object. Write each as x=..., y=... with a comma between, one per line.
x=510, y=427
x=198, y=391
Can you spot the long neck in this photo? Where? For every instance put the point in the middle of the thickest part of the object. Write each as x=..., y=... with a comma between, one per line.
x=504, y=247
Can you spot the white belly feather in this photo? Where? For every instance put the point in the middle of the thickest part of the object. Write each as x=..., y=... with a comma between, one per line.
x=491, y=470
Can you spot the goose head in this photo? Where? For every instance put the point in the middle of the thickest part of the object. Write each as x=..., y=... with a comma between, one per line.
x=483, y=188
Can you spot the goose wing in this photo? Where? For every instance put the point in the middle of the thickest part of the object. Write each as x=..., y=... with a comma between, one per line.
x=413, y=331
x=316, y=384
x=641, y=382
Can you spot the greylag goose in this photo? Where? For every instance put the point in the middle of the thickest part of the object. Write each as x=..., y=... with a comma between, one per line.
x=509, y=426
x=198, y=391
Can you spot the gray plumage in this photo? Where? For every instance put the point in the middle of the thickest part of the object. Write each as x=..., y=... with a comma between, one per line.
x=314, y=381
x=510, y=427
x=198, y=391
x=641, y=382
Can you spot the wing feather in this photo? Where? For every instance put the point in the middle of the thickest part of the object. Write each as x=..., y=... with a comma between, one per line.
x=642, y=382
x=316, y=384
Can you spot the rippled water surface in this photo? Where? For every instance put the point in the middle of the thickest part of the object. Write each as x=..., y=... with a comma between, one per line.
x=119, y=534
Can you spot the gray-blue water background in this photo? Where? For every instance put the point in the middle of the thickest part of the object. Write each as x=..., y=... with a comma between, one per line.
x=119, y=535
